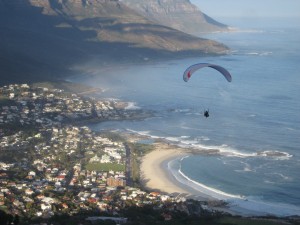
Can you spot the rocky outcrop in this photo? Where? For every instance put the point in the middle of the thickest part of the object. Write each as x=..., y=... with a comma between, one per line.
x=178, y=14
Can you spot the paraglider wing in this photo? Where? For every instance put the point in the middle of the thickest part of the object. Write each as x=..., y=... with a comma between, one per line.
x=189, y=71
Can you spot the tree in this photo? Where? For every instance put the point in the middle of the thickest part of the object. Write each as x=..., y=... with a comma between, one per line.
x=16, y=220
x=4, y=217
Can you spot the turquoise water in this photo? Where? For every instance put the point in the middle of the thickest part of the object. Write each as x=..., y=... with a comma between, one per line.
x=249, y=145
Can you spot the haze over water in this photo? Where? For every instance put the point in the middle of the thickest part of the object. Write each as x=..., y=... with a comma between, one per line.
x=251, y=139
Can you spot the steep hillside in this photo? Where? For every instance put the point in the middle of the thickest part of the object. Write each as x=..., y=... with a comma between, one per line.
x=42, y=39
x=178, y=14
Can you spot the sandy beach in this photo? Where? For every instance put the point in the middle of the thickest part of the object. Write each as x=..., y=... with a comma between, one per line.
x=156, y=177
x=152, y=174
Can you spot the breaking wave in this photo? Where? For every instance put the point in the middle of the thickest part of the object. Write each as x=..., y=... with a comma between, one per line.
x=132, y=106
x=203, y=188
x=198, y=145
x=245, y=205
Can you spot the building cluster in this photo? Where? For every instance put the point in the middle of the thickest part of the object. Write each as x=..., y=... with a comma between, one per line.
x=51, y=177
x=43, y=106
x=49, y=163
x=64, y=169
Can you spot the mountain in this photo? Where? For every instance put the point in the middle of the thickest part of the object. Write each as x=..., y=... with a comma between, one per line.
x=178, y=14
x=45, y=39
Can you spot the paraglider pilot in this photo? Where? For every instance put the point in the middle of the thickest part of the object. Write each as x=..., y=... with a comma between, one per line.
x=206, y=113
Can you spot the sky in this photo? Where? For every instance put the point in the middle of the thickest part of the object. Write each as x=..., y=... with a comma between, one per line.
x=249, y=8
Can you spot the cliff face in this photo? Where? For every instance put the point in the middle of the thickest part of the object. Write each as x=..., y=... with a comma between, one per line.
x=178, y=14
x=46, y=37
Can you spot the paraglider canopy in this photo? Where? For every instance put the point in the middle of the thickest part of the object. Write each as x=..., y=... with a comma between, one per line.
x=189, y=71
x=193, y=68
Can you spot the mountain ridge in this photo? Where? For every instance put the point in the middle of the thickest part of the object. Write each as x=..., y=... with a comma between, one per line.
x=45, y=39
x=178, y=14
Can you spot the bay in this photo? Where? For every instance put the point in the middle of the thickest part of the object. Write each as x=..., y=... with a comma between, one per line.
x=254, y=124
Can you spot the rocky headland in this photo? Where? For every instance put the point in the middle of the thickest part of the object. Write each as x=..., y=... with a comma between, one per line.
x=44, y=39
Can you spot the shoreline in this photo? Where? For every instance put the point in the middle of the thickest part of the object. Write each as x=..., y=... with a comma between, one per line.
x=155, y=175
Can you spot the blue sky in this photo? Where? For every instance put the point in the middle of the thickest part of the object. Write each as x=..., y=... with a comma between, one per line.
x=249, y=8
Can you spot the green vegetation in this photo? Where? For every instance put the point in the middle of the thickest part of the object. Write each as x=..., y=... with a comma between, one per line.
x=248, y=221
x=5, y=101
x=137, y=151
x=105, y=167
x=113, y=136
x=147, y=215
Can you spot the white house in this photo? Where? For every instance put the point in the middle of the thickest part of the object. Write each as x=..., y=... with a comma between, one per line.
x=45, y=207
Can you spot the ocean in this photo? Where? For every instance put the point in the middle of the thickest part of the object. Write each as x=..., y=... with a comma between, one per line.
x=249, y=147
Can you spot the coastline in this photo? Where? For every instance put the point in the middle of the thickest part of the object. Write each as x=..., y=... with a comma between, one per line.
x=155, y=176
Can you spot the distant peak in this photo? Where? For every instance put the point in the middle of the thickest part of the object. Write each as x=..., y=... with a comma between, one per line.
x=178, y=14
